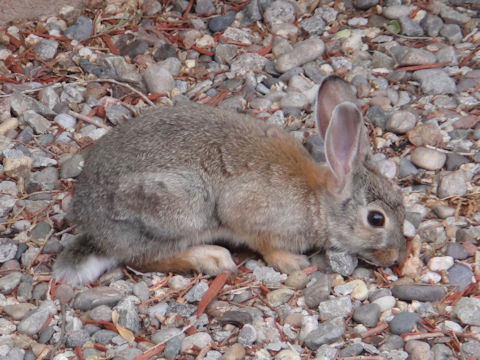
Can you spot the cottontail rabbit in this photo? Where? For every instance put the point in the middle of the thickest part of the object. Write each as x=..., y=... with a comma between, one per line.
x=157, y=191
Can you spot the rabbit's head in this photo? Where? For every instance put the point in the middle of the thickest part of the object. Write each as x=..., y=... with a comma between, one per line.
x=365, y=211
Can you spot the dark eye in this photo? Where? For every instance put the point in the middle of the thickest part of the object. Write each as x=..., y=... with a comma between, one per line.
x=376, y=218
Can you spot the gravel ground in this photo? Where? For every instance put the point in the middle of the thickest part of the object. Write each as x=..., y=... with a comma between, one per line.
x=68, y=78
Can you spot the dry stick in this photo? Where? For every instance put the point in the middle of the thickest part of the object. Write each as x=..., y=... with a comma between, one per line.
x=374, y=331
x=61, y=341
x=131, y=88
x=88, y=120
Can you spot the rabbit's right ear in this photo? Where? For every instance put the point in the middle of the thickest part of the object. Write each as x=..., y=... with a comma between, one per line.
x=345, y=143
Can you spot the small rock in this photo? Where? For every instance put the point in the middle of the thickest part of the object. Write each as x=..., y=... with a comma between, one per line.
x=468, y=311
x=7, y=250
x=318, y=291
x=412, y=56
x=104, y=336
x=435, y=82
x=341, y=262
x=127, y=314
x=221, y=22
x=367, y=315
x=81, y=30
x=9, y=282
x=177, y=282
x=279, y=12
x=440, y=263
x=460, y=275
x=377, y=116
x=425, y=134
x=338, y=307
x=141, y=291
x=432, y=24
x=234, y=352
x=77, y=338
x=302, y=53
x=38, y=123
x=452, y=32
x=429, y=159
x=418, y=292
x=404, y=322
x=385, y=302
x=452, y=184
x=297, y=280
x=279, y=297
x=47, y=48
x=101, y=313
x=158, y=79
x=400, y=122
x=410, y=27
x=396, y=11
x=34, y=320
x=72, y=167
x=21, y=103
x=247, y=335
x=237, y=318
x=94, y=297
x=455, y=250
x=287, y=355
x=406, y=168
x=326, y=333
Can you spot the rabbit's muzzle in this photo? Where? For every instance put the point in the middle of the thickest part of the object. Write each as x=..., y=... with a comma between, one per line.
x=383, y=257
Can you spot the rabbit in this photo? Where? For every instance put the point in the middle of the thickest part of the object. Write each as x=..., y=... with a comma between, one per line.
x=160, y=191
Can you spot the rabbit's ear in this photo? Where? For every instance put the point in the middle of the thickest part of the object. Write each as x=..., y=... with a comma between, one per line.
x=345, y=143
x=333, y=91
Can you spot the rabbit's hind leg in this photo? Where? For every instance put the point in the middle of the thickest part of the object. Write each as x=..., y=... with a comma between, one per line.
x=207, y=259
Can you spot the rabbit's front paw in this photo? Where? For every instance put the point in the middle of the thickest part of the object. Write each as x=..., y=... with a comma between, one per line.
x=286, y=261
x=211, y=259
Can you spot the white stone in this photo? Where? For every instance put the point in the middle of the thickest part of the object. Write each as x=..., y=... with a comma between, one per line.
x=440, y=263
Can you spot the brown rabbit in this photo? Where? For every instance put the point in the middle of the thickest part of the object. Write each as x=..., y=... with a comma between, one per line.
x=158, y=191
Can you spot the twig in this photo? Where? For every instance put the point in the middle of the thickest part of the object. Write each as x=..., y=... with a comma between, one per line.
x=131, y=88
x=374, y=331
x=43, y=245
x=88, y=120
x=61, y=341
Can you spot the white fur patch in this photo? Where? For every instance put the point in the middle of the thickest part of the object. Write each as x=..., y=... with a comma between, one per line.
x=85, y=272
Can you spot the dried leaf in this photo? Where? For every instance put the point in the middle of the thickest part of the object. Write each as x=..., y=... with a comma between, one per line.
x=394, y=27
x=124, y=333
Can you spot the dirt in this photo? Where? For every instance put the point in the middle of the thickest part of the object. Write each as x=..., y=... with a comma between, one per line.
x=11, y=10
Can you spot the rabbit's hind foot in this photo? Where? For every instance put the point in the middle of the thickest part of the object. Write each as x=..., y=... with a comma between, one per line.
x=88, y=270
x=207, y=259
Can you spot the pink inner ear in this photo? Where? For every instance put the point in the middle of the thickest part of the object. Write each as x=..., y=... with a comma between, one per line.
x=342, y=141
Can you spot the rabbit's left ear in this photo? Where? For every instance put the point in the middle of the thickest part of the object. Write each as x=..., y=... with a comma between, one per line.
x=344, y=143
x=332, y=91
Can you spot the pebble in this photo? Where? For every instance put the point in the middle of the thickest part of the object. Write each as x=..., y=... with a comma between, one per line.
x=158, y=79
x=440, y=263
x=460, y=275
x=287, y=355
x=341, y=262
x=317, y=291
x=38, y=123
x=385, y=302
x=456, y=251
x=452, y=184
x=196, y=292
x=247, y=335
x=302, y=53
x=72, y=167
x=435, y=82
x=404, y=322
x=234, y=352
x=400, y=122
x=467, y=311
x=237, y=318
x=418, y=292
x=428, y=159
x=7, y=250
x=221, y=22
x=279, y=297
x=278, y=12
x=90, y=298
x=367, y=315
x=326, y=333
x=104, y=336
x=9, y=282
x=46, y=49
x=410, y=27
x=33, y=321
x=81, y=30
x=338, y=307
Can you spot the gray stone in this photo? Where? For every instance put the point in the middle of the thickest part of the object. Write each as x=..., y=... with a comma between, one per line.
x=341, y=262
x=326, y=333
x=248, y=62
x=225, y=53
x=94, y=297
x=9, y=282
x=38, y=123
x=8, y=249
x=237, y=318
x=432, y=24
x=435, y=82
x=279, y=297
x=196, y=292
x=127, y=314
x=302, y=53
x=381, y=60
x=448, y=54
x=200, y=340
x=351, y=350
x=117, y=114
x=34, y=320
x=104, y=336
x=392, y=342
x=141, y=291
x=297, y=280
x=396, y=11
x=367, y=315
x=410, y=27
x=318, y=291
x=404, y=322
x=46, y=49
x=377, y=116
x=365, y=4
x=427, y=158
x=338, y=307
x=452, y=16
x=442, y=352
x=158, y=79
x=412, y=56
x=418, y=292
x=101, y=313
x=77, y=338
x=452, y=32
x=400, y=122
x=470, y=348
x=247, y=335
x=457, y=251
x=21, y=103
x=460, y=275
x=81, y=30
x=406, y=168
x=72, y=167
x=182, y=309
x=204, y=7
x=313, y=25
x=45, y=179
x=221, y=22
x=452, y=184
x=65, y=120
x=280, y=11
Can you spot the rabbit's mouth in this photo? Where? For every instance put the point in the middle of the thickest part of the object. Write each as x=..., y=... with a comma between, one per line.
x=380, y=257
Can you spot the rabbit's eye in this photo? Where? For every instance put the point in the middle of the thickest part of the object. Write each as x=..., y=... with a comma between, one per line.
x=376, y=218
